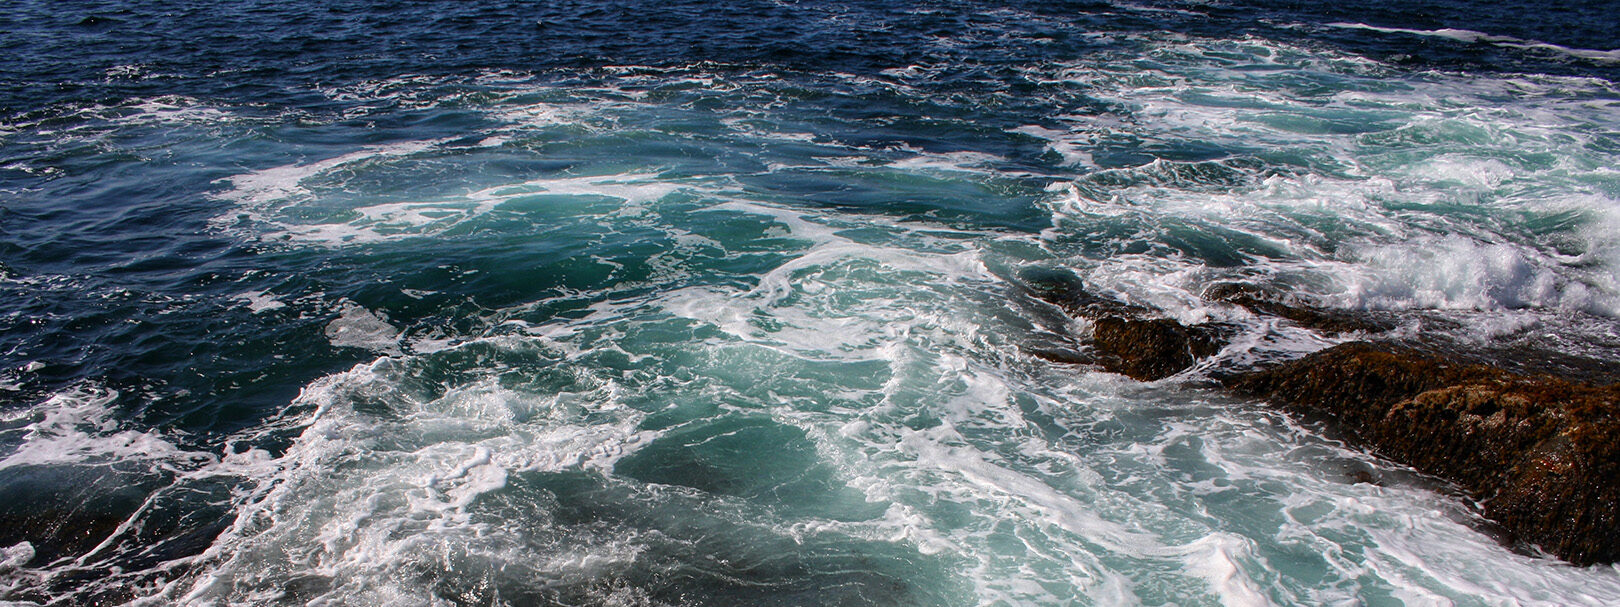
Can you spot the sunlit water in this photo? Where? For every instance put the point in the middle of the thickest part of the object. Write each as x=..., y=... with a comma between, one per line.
x=699, y=330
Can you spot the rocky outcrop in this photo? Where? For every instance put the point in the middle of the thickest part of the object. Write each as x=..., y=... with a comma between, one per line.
x=1125, y=339
x=1531, y=433
x=1541, y=454
x=1149, y=349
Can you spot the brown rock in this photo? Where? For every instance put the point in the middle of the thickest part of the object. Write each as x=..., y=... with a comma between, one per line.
x=1153, y=348
x=1123, y=341
x=1541, y=453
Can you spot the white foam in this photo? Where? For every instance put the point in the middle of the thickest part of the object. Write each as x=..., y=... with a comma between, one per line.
x=1396, y=535
x=266, y=194
x=548, y=115
x=174, y=108
x=15, y=556
x=357, y=327
x=1449, y=272
x=1215, y=558
x=10, y=379
x=363, y=494
x=1451, y=171
x=78, y=427
x=1598, y=292
x=1043, y=503
x=1070, y=148
x=163, y=110
x=1448, y=158
x=1430, y=558
x=801, y=295
x=260, y=301
x=14, y=577
x=283, y=184
x=964, y=162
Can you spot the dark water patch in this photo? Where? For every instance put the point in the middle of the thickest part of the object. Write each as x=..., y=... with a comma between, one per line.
x=1573, y=25
x=907, y=194
x=66, y=511
x=295, y=45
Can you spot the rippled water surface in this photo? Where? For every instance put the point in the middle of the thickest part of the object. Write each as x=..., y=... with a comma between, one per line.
x=676, y=303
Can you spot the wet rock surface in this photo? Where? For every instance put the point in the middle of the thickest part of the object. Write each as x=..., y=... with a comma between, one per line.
x=1542, y=454
x=1526, y=357
x=1150, y=349
x=1125, y=339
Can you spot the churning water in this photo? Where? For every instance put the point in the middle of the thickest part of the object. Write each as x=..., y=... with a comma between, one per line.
x=676, y=304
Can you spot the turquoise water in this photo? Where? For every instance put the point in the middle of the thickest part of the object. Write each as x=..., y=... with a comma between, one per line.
x=719, y=334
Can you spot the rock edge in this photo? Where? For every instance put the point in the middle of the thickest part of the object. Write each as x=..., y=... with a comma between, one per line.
x=1542, y=454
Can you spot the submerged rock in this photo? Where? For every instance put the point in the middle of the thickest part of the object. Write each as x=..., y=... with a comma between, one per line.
x=1061, y=355
x=1266, y=302
x=1063, y=289
x=1542, y=454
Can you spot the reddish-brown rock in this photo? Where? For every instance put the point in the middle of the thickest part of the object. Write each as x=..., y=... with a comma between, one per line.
x=1149, y=349
x=1542, y=454
x=1125, y=339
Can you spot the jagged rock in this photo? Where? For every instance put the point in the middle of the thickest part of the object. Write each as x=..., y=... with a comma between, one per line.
x=1541, y=453
x=1153, y=348
x=1264, y=301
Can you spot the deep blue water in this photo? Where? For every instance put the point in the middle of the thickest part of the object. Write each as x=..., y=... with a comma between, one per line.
x=430, y=303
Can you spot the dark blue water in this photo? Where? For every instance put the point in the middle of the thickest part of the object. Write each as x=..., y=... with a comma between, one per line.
x=698, y=303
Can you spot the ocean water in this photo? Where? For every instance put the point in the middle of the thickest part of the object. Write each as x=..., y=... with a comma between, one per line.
x=688, y=303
